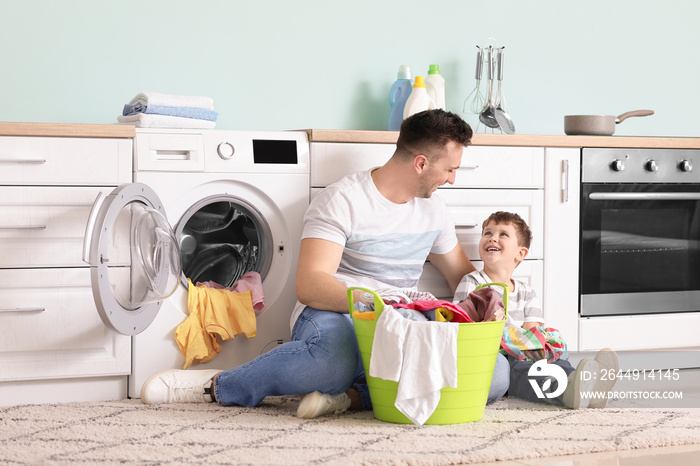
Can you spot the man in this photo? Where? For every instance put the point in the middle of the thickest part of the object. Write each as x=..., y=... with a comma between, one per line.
x=373, y=229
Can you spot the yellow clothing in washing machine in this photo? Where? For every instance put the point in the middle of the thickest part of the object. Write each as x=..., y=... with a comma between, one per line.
x=214, y=313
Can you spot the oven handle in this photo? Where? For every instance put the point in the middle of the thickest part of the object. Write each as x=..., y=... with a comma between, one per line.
x=644, y=196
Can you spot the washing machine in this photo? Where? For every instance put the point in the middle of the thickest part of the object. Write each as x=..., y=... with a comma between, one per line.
x=208, y=206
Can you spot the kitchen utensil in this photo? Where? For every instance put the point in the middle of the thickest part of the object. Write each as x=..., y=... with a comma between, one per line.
x=488, y=113
x=598, y=125
x=476, y=100
x=503, y=119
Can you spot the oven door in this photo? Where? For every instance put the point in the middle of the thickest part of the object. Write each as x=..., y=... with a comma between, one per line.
x=639, y=248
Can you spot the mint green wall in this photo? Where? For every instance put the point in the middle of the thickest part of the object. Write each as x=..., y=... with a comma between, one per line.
x=281, y=64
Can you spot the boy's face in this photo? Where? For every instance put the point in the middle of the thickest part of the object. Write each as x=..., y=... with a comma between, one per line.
x=499, y=245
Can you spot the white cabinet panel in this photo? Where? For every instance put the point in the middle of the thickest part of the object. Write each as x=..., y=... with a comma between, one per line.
x=561, y=232
x=332, y=161
x=44, y=226
x=639, y=332
x=51, y=328
x=64, y=161
x=501, y=167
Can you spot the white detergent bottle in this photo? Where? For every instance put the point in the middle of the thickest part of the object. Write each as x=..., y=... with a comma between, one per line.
x=398, y=95
x=435, y=86
x=418, y=101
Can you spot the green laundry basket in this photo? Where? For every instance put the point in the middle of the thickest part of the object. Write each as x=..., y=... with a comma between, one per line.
x=477, y=348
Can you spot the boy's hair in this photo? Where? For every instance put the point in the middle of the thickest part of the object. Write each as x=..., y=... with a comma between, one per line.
x=521, y=229
x=428, y=133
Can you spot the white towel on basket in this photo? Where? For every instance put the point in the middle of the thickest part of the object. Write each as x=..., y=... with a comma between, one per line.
x=420, y=356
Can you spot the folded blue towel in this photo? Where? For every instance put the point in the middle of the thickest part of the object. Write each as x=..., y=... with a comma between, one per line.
x=186, y=112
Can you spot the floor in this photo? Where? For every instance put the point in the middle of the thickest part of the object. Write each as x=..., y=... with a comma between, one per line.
x=688, y=455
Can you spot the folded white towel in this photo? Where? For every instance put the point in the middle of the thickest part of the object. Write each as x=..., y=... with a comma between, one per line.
x=173, y=100
x=150, y=120
x=420, y=356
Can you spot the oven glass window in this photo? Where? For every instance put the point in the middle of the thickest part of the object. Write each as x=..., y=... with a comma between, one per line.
x=639, y=245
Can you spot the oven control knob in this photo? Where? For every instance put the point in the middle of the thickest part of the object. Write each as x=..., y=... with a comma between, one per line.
x=617, y=165
x=685, y=166
x=651, y=166
x=225, y=150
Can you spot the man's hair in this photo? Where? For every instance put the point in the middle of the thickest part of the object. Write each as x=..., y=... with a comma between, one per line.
x=521, y=229
x=428, y=133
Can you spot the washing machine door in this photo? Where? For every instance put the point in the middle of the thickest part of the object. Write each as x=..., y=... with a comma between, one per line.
x=133, y=255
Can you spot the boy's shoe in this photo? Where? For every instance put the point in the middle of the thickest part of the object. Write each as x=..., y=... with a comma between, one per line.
x=178, y=386
x=316, y=404
x=576, y=386
x=608, y=368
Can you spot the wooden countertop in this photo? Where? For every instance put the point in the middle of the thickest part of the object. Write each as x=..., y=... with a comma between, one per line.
x=67, y=130
x=527, y=140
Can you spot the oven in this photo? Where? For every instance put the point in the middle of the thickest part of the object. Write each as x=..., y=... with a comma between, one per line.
x=640, y=231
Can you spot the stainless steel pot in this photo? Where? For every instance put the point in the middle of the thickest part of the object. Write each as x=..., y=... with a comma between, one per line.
x=598, y=125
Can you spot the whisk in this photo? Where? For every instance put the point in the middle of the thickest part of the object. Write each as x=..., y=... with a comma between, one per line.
x=475, y=101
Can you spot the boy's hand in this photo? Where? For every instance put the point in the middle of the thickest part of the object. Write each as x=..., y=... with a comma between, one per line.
x=535, y=355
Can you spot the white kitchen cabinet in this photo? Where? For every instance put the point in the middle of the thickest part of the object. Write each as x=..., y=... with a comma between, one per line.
x=51, y=329
x=561, y=232
x=489, y=179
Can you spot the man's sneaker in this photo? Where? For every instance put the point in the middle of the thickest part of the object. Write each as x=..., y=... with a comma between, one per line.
x=580, y=382
x=178, y=386
x=608, y=368
x=316, y=404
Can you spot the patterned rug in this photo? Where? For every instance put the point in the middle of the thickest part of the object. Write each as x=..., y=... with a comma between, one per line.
x=128, y=432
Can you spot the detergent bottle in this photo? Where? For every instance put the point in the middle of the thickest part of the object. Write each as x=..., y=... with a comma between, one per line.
x=398, y=95
x=435, y=86
x=418, y=101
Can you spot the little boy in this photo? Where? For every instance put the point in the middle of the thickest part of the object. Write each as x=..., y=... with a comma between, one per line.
x=505, y=242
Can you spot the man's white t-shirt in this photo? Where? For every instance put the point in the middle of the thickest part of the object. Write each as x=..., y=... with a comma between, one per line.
x=386, y=244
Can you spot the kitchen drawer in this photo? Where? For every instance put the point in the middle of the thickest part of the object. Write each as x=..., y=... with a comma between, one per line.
x=482, y=167
x=332, y=161
x=529, y=272
x=470, y=207
x=44, y=226
x=64, y=161
x=501, y=167
x=51, y=328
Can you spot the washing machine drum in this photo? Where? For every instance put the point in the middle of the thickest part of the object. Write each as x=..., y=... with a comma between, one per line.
x=134, y=257
x=220, y=240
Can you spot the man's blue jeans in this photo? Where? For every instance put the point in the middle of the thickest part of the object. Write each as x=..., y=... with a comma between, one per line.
x=322, y=355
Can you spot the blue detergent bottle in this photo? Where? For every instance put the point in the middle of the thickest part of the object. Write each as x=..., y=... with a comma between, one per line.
x=398, y=94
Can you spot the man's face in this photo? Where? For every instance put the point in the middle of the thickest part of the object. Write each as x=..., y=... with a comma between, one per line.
x=440, y=171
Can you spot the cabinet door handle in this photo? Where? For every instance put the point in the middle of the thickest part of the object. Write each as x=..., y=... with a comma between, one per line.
x=24, y=309
x=467, y=225
x=23, y=227
x=598, y=196
x=469, y=167
x=24, y=161
x=564, y=181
